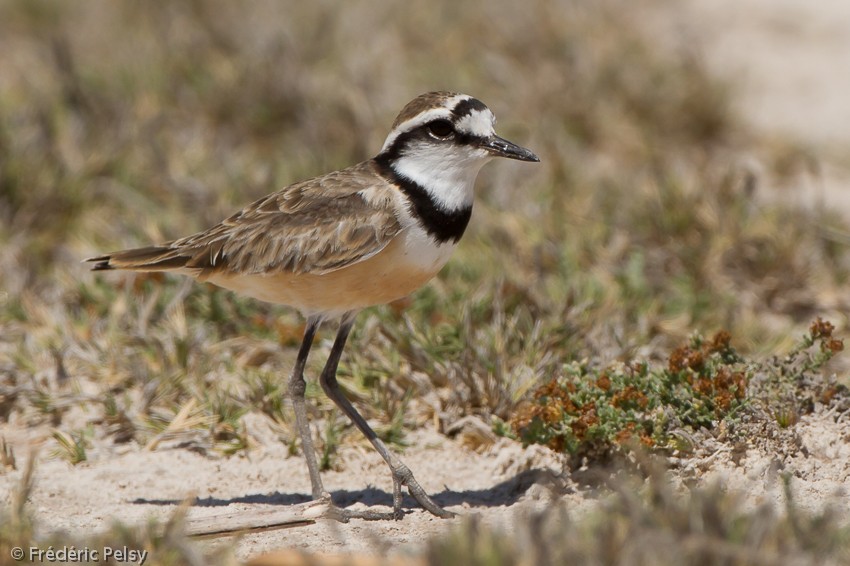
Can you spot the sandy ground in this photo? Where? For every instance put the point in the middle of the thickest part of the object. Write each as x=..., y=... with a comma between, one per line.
x=132, y=484
x=496, y=483
x=792, y=59
x=789, y=63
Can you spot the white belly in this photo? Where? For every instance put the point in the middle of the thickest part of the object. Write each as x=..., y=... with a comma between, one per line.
x=421, y=251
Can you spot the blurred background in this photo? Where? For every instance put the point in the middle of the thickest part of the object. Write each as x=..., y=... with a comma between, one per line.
x=664, y=204
x=694, y=178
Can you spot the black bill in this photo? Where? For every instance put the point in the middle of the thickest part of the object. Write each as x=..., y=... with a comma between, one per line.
x=504, y=148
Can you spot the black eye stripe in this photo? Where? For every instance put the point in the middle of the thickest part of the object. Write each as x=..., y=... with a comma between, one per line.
x=460, y=138
x=421, y=134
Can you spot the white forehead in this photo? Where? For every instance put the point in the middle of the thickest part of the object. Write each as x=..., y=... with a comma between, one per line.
x=478, y=122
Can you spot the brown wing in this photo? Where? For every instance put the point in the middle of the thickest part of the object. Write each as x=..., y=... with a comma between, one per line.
x=314, y=226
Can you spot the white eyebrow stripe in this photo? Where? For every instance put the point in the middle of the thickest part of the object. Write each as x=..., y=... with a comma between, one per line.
x=444, y=111
x=415, y=122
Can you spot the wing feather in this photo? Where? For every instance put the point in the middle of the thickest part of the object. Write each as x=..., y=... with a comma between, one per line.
x=314, y=226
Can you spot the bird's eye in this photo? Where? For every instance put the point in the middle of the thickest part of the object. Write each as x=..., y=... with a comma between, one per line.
x=441, y=129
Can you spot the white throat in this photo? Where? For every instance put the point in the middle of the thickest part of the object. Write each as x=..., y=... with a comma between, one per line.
x=446, y=174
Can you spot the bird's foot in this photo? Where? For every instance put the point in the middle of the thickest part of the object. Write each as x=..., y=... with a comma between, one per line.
x=324, y=508
x=403, y=476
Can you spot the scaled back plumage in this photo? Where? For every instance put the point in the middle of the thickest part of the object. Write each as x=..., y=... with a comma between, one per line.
x=314, y=226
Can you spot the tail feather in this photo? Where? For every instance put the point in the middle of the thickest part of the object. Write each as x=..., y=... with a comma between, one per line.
x=151, y=258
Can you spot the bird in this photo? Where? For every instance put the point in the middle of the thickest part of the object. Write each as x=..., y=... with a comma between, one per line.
x=336, y=244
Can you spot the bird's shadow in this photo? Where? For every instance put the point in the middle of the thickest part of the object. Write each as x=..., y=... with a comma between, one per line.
x=504, y=493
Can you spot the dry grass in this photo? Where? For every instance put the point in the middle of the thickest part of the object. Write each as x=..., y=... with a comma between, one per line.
x=126, y=123
x=652, y=523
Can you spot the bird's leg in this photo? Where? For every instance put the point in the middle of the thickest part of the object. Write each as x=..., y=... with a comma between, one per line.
x=297, y=388
x=400, y=472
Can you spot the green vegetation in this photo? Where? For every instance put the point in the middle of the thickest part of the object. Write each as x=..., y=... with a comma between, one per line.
x=588, y=412
x=71, y=447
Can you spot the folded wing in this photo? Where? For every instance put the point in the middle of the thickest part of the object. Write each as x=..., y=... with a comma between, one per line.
x=314, y=226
